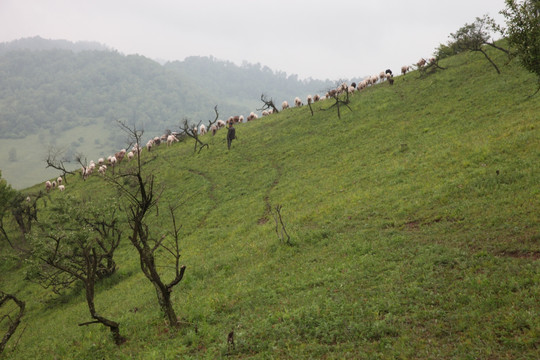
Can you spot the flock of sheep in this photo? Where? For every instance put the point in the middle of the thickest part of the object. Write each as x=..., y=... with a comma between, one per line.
x=113, y=160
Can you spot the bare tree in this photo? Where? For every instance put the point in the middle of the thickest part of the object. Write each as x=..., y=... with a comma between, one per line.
x=281, y=233
x=56, y=160
x=13, y=323
x=192, y=132
x=268, y=104
x=210, y=123
x=335, y=94
x=142, y=197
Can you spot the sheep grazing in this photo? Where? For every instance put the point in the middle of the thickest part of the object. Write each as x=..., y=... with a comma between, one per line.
x=374, y=79
x=382, y=76
x=252, y=116
x=120, y=155
x=48, y=185
x=59, y=180
x=103, y=168
x=136, y=149
x=432, y=60
x=220, y=124
x=241, y=118
x=149, y=145
x=157, y=140
x=53, y=184
x=130, y=156
x=202, y=129
x=421, y=62
x=316, y=98
x=61, y=187
x=113, y=161
x=213, y=129
x=28, y=199
x=265, y=113
x=284, y=105
x=101, y=161
x=309, y=99
x=404, y=69
x=170, y=139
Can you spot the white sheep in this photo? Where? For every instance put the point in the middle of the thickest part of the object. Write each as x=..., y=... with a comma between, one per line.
x=202, y=129
x=149, y=144
x=102, y=169
x=101, y=161
x=61, y=187
x=252, y=116
x=59, y=180
x=265, y=113
x=284, y=105
x=213, y=129
x=130, y=155
x=297, y=102
x=316, y=98
x=241, y=118
x=48, y=185
x=120, y=155
x=309, y=99
x=170, y=139
x=220, y=124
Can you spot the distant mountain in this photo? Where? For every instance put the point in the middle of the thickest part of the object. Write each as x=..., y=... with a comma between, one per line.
x=56, y=85
x=69, y=96
x=38, y=43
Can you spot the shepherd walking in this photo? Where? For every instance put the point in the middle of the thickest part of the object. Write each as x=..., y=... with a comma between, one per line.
x=231, y=134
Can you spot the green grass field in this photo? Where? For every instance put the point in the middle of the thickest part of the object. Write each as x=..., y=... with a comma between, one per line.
x=414, y=223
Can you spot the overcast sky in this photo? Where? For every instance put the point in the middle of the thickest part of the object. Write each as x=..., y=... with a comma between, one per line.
x=319, y=39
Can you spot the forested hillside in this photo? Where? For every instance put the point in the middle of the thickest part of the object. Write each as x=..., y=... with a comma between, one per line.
x=69, y=96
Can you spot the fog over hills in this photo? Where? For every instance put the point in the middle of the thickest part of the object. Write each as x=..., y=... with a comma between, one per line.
x=72, y=95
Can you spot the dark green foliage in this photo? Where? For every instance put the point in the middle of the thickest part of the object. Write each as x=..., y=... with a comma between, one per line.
x=523, y=21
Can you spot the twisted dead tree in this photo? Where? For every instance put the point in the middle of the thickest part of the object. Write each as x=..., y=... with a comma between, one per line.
x=210, y=123
x=56, y=160
x=334, y=94
x=268, y=104
x=142, y=197
x=13, y=323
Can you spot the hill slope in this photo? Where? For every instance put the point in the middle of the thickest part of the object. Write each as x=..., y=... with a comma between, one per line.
x=54, y=93
x=414, y=223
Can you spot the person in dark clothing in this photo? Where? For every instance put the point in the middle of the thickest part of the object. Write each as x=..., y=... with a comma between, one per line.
x=231, y=135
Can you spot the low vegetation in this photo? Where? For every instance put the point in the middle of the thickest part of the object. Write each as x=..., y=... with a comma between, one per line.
x=412, y=226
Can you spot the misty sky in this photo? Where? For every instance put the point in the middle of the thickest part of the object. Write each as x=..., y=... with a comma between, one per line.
x=318, y=39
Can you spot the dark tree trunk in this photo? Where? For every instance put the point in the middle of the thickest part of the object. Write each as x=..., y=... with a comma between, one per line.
x=15, y=323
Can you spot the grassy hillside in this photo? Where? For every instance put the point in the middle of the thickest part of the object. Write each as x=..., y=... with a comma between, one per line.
x=414, y=222
x=56, y=93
